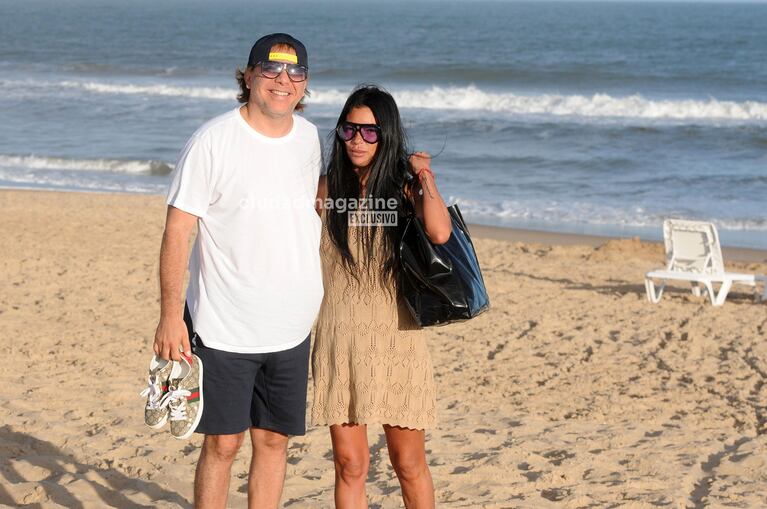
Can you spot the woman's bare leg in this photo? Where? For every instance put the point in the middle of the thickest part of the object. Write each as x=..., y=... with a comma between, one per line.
x=351, y=456
x=407, y=452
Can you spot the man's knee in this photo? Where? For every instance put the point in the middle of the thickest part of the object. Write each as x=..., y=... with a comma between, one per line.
x=269, y=441
x=223, y=447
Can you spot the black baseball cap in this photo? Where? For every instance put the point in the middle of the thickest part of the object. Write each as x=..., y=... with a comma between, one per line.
x=260, y=50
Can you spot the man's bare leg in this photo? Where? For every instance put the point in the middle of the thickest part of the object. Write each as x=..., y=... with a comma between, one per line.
x=267, y=468
x=214, y=469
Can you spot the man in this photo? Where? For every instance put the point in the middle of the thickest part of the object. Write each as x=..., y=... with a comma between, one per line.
x=248, y=180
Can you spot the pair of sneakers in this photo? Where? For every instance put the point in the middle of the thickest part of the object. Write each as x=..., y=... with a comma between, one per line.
x=174, y=393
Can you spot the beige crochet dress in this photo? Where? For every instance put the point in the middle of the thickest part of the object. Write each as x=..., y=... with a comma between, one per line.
x=370, y=363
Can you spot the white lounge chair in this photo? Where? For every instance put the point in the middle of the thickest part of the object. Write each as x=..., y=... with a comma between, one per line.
x=694, y=254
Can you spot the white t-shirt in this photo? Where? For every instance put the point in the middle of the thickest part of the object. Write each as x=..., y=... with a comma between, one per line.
x=255, y=279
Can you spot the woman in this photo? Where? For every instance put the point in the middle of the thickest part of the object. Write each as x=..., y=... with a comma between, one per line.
x=370, y=363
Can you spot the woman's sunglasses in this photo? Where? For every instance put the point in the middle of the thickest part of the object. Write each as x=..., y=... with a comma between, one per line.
x=370, y=133
x=271, y=70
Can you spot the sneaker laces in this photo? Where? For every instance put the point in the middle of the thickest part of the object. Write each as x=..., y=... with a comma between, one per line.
x=176, y=400
x=153, y=393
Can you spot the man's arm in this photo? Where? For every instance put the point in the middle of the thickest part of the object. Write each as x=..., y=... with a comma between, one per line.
x=174, y=252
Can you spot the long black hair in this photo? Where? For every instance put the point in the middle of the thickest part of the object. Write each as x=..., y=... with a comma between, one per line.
x=389, y=171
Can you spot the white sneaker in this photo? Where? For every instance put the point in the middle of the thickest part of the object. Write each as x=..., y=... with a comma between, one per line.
x=184, y=398
x=155, y=412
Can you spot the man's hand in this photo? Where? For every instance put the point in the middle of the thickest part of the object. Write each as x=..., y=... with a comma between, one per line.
x=170, y=335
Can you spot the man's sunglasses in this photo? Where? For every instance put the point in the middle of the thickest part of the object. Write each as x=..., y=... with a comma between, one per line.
x=370, y=133
x=271, y=69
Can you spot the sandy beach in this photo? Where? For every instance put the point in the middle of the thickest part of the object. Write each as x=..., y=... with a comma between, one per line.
x=572, y=392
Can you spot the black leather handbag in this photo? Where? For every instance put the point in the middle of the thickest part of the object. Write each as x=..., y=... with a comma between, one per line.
x=441, y=283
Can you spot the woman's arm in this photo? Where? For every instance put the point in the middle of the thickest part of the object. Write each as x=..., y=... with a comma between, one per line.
x=322, y=193
x=429, y=205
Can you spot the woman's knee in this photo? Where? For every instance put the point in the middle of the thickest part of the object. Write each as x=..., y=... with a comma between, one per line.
x=352, y=467
x=223, y=447
x=409, y=467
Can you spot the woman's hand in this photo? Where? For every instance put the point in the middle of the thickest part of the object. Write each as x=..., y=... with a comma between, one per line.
x=420, y=162
x=429, y=205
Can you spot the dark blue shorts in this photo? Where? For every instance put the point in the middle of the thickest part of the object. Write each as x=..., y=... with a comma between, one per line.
x=244, y=390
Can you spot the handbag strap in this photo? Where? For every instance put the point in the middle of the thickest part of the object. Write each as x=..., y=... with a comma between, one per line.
x=407, y=205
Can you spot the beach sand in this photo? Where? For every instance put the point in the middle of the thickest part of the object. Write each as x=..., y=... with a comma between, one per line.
x=573, y=391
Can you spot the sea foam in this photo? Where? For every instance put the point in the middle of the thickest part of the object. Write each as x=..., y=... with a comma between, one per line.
x=473, y=99
x=32, y=162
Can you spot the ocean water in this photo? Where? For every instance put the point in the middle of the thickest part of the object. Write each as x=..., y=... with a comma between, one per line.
x=580, y=117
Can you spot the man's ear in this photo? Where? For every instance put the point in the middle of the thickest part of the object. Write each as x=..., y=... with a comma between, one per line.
x=248, y=77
